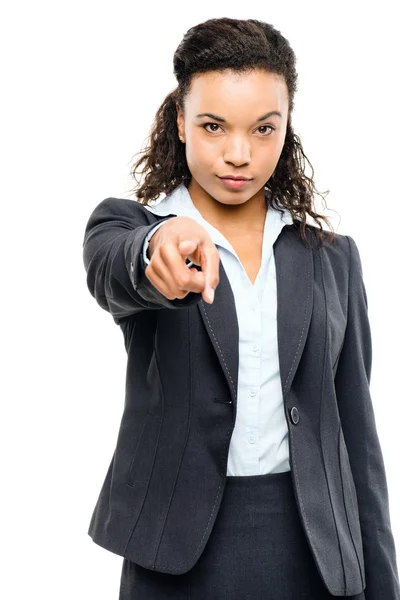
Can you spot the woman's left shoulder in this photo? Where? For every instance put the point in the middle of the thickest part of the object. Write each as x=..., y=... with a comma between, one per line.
x=333, y=243
x=337, y=251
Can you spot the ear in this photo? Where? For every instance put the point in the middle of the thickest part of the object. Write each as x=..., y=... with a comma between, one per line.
x=180, y=121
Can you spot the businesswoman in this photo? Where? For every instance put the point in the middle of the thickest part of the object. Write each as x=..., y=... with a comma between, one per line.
x=247, y=463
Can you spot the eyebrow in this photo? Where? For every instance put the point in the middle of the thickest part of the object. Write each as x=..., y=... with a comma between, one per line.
x=222, y=120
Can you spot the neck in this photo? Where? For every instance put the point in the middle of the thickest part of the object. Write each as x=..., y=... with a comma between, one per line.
x=246, y=217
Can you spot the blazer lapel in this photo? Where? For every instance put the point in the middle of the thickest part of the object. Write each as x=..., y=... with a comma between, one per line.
x=294, y=280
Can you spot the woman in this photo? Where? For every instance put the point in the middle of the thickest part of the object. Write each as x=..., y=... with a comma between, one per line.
x=247, y=463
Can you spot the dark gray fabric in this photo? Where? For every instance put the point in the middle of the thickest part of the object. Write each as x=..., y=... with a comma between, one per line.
x=162, y=492
x=257, y=550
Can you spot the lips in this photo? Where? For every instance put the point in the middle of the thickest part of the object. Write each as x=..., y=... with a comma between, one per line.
x=234, y=184
x=236, y=178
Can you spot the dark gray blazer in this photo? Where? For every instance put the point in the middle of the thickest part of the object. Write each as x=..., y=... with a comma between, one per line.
x=165, y=481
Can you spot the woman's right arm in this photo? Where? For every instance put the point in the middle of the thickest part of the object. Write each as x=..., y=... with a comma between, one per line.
x=113, y=260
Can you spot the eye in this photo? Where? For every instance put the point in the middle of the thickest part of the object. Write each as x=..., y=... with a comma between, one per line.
x=268, y=126
x=207, y=124
x=216, y=125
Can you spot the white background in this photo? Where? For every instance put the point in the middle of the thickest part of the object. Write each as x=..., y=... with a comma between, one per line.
x=81, y=83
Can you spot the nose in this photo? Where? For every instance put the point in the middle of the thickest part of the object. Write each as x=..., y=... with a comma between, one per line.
x=237, y=151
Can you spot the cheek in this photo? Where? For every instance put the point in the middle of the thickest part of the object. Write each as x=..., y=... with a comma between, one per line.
x=269, y=154
x=199, y=153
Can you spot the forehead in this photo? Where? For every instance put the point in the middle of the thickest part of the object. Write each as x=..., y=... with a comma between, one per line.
x=256, y=90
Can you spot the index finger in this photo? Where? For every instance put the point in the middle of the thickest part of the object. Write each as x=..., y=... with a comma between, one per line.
x=210, y=265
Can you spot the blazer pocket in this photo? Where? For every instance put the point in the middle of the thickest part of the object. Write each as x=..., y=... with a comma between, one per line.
x=144, y=453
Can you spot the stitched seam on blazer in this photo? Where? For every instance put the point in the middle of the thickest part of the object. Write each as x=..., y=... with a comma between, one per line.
x=345, y=506
x=320, y=412
x=186, y=438
x=222, y=356
x=301, y=337
x=338, y=356
x=154, y=457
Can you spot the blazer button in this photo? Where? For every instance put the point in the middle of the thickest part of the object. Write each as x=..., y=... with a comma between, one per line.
x=294, y=415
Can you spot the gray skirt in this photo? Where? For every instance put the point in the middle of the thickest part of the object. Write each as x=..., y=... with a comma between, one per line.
x=257, y=550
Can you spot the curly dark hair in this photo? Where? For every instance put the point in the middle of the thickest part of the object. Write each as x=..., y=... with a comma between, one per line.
x=239, y=46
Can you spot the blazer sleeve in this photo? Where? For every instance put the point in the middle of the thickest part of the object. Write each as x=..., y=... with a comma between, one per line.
x=113, y=259
x=352, y=384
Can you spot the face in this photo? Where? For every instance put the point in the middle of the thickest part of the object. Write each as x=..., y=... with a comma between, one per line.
x=236, y=137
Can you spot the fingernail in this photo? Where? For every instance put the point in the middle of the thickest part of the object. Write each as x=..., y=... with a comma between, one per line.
x=211, y=294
